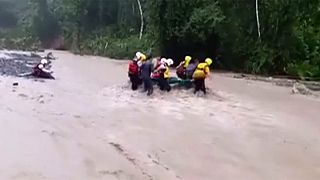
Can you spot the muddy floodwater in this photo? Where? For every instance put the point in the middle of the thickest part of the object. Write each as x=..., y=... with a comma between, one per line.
x=88, y=125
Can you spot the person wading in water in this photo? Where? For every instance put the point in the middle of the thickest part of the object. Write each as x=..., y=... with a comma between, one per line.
x=134, y=74
x=145, y=71
x=200, y=74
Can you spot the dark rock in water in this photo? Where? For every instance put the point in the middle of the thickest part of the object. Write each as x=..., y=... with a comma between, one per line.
x=14, y=68
x=15, y=84
x=15, y=64
x=35, y=55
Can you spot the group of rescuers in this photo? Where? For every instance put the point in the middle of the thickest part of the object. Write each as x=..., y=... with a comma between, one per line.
x=144, y=71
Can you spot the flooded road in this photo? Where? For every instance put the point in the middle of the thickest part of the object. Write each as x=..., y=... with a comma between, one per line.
x=87, y=124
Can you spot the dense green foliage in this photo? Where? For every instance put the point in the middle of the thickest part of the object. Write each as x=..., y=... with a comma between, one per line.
x=223, y=29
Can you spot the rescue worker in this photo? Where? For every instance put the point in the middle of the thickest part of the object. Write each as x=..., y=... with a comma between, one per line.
x=181, y=69
x=200, y=74
x=164, y=73
x=191, y=68
x=145, y=72
x=40, y=70
x=133, y=74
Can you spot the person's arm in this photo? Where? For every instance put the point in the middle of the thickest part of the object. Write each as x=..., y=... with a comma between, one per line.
x=207, y=71
x=161, y=67
x=43, y=69
x=46, y=70
x=140, y=63
x=180, y=65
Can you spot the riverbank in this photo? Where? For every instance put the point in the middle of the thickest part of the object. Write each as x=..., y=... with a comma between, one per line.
x=311, y=88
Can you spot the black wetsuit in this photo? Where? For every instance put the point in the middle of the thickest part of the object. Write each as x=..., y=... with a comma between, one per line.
x=145, y=71
x=38, y=72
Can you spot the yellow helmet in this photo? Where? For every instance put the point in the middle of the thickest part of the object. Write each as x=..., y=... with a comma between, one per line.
x=208, y=61
x=143, y=57
x=188, y=58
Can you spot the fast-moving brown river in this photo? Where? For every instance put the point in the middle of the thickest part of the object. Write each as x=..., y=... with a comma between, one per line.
x=88, y=125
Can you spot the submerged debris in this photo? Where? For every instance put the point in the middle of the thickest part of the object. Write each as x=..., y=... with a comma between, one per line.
x=14, y=63
x=299, y=88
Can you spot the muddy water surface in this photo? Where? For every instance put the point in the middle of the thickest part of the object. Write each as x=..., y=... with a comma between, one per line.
x=87, y=124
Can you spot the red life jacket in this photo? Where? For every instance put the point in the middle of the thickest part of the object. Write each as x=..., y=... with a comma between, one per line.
x=157, y=75
x=133, y=68
x=181, y=70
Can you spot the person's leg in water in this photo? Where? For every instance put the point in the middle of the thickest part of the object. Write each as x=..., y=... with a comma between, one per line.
x=149, y=87
x=145, y=85
x=197, y=85
x=139, y=81
x=167, y=85
x=162, y=83
x=155, y=81
x=131, y=81
x=134, y=82
x=203, y=86
x=46, y=75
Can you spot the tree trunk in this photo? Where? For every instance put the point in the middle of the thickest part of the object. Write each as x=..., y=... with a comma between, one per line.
x=258, y=19
x=142, y=21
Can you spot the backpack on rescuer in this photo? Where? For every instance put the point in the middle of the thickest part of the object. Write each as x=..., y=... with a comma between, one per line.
x=133, y=68
x=200, y=71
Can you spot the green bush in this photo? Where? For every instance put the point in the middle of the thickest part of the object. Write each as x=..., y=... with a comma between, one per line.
x=115, y=47
x=260, y=60
x=304, y=70
x=18, y=39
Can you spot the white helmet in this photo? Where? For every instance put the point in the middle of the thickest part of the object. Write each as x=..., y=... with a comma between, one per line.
x=138, y=55
x=44, y=61
x=163, y=60
x=170, y=62
x=41, y=66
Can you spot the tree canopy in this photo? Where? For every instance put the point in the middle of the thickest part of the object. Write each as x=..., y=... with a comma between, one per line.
x=222, y=29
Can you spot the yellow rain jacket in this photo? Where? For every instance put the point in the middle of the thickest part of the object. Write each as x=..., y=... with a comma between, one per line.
x=201, y=71
x=143, y=57
x=167, y=73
